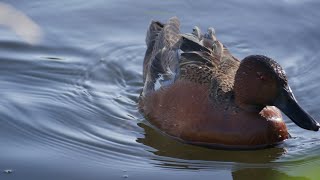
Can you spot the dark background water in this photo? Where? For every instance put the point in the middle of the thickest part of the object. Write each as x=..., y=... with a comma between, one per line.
x=71, y=73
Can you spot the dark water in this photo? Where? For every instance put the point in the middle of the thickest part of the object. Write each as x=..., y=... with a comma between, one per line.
x=71, y=73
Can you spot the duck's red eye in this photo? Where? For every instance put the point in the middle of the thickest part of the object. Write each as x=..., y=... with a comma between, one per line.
x=261, y=76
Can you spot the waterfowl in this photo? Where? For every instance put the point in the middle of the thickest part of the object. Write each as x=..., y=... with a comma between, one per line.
x=197, y=92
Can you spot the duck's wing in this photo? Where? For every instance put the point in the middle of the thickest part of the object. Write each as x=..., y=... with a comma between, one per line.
x=201, y=57
x=205, y=60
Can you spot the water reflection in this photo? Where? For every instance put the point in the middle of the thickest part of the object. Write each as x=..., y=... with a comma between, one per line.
x=20, y=23
x=167, y=147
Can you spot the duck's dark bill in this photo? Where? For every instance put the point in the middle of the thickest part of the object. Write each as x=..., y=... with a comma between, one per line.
x=287, y=104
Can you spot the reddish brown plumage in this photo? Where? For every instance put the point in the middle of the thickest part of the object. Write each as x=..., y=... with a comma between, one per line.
x=183, y=110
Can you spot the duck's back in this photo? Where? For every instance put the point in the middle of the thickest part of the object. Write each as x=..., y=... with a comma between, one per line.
x=194, y=57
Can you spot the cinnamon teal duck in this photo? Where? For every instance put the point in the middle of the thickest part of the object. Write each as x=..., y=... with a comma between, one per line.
x=197, y=92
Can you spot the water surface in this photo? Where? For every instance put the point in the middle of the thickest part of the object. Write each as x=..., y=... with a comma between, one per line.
x=71, y=74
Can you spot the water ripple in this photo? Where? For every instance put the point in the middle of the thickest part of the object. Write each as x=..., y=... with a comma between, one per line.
x=85, y=102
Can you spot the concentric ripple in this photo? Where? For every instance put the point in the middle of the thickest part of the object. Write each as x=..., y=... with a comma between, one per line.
x=76, y=102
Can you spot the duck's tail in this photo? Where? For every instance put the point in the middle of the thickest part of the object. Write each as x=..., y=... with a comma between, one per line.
x=161, y=55
x=152, y=34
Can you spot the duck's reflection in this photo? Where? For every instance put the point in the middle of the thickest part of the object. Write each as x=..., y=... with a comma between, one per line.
x=167, y=147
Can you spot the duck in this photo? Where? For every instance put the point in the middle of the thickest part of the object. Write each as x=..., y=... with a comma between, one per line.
x=197, y=92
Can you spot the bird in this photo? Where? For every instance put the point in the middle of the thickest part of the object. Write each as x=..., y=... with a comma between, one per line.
x=197, y=92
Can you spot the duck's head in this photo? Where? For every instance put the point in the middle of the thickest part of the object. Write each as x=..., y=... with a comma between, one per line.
x=260, y=81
